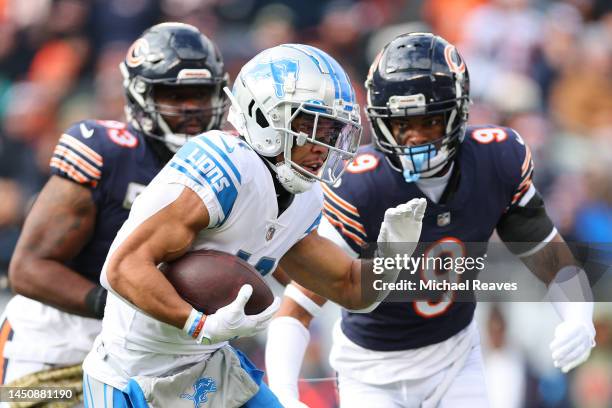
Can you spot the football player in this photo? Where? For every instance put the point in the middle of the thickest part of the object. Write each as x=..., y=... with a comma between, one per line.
x=173, y=81
x=477, y=180
x=295, y=110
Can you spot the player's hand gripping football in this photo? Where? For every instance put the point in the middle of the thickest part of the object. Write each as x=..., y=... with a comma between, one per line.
x=402, y=224
x=572, y=344
x=231, y=321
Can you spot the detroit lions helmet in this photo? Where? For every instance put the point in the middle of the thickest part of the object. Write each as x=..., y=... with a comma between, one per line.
x=289, y=81
x=172, y=54
x=418, y=74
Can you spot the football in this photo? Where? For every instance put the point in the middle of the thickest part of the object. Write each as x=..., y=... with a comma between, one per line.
x=209, y=280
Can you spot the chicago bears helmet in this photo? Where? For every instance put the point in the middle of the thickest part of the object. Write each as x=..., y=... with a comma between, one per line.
x=418, y=74
x=289, y=81
x=172, y=54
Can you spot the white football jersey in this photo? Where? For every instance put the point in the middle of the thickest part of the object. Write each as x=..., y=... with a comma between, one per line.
x=238, y=190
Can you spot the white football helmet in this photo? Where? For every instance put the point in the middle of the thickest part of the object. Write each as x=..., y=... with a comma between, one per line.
x=283, y=82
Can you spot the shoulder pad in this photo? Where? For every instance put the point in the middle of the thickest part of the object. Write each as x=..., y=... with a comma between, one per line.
x=508, y=153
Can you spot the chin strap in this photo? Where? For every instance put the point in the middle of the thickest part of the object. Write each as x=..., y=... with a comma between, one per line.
x=291, y=180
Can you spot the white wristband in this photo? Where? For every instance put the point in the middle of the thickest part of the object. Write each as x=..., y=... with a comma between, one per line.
x=291, y=291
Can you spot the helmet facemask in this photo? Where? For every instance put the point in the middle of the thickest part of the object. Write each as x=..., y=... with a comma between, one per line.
x=156, y=119
x=313, y=125
x=427, y=159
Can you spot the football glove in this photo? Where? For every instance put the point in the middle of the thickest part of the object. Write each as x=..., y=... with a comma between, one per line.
x=230, y=322
x=572, y=344
x=402, y=224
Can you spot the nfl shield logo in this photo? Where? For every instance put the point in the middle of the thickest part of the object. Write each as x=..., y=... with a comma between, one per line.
x=270, y=233
x=444, y=219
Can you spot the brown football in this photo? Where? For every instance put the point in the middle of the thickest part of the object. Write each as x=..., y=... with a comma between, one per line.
x=209, y=280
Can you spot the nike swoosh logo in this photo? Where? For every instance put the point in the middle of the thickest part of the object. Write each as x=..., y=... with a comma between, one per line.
x=227, y=148
x=87, y=133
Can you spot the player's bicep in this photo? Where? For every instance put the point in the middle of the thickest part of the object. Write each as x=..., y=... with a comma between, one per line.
x=60, y=222
x=176, y=214
x=526, y=227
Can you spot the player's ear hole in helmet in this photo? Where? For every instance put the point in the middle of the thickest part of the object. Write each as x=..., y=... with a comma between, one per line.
x=417, y=77
x=295, y=82
x=173, y=78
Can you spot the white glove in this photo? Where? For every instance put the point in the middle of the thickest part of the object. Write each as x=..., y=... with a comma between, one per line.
x=399, y=235
x=575, y=336
x=572, y=344
x=230, y=322
x=402, y=224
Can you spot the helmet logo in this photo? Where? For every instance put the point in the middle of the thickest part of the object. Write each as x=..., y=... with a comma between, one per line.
x=202, y=73
x=137, y=53
x=454, y=60
x=282, y=72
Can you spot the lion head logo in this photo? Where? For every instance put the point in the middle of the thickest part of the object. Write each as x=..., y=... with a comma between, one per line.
x=201, y=389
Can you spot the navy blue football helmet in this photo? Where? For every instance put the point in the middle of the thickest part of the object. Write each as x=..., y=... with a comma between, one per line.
x=172, y=54
x=418, y=74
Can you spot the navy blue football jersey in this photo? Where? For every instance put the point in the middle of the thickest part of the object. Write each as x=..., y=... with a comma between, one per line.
x=492, y=171
x=116, y=163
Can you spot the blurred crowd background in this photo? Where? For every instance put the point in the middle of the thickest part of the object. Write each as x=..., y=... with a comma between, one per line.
x=542, y=67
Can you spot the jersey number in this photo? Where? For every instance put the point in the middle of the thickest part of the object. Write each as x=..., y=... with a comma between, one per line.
x=362, y=163
x=263, y=266
x=488, y=135
x=444, y=248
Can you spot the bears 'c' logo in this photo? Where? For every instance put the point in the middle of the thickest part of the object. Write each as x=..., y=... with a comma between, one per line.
x=137, y=53
x=454, y=60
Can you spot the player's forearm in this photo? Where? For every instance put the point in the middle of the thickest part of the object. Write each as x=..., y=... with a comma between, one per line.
x=51, y=282
x=342, y=288
x=549, y=260
x=303, y=308
x=355, y=293
x=142, y=284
